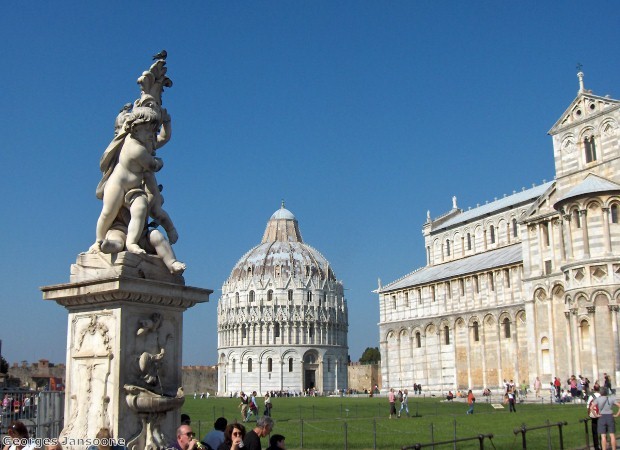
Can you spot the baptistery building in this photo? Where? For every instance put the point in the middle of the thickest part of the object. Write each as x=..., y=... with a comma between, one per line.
x=522, y=287
x=282, y=317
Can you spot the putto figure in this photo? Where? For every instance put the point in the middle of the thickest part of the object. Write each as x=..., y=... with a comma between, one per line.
x=128, y=187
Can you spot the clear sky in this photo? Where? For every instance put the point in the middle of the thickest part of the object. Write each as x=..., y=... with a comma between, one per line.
x=360, y=115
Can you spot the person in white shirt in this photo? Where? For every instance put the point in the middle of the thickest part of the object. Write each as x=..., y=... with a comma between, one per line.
x=606, y=424
x=595, y=394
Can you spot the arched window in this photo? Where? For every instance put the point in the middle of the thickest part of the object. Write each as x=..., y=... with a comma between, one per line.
x=585, y=335
x=590, y=148
x=269, y=365
x=234, y=365
x=468, y=241
x=249, y=364
x=249, y=271
x=613, y=211
x=515, y=230
x=507, y=277
x=269, y=295
x=311, y=331
x=243, y=332
x=491, y=282
x=407, y=299
x=506, y=323
x=447, y=247
x=309, y=296
x=462, y=286
x=236, y=298
x=476, y=285
x=393, y=302
x=476, y=332
x=251, y=295
x=446, y=334
x=492, y=229
x=418, y=339
x=290, y=364
x=577, y=218
x=276, y=330
x=329, y=365
x=448, y=290
x=290, y=295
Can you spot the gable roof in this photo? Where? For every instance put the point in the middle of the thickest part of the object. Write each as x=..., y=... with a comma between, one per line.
x=497, y=205
x=580, y=110
x=483, y=261
x=591, y=184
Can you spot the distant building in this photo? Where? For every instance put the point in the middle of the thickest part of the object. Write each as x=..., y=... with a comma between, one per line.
x=41, y=375
x=282, y=317
x=524, y=286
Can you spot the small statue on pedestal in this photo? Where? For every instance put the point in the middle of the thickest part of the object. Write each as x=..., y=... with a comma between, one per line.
x=128, y=187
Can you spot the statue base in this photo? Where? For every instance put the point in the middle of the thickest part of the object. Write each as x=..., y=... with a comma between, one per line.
x=124, y=351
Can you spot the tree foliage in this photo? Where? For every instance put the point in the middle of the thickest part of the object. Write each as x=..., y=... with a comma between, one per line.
x=371, y=355
x=4, y=365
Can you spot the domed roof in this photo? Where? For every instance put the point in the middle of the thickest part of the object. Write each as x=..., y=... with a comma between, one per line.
x=282, y=253
x=283, y=213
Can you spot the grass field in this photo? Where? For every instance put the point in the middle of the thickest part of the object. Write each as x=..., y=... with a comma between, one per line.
x=362, y=423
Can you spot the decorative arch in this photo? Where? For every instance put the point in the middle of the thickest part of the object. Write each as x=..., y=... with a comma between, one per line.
x=489, y=320
x=600, y=298
x=557, y=289
x=592, y=203
x=608, y=127
x=540, y=294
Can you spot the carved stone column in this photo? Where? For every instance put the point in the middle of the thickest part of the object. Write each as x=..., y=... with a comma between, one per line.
x=541, y=256
x=576, y=350
x=569, y=339
x=569, y=239
x=124, y=356
x=260, y=376
x=606, y=231
x=614, y=326
x=593, y=346
x=500, y=372
x=562, y=240
x=583, y=217
x=483, y=350
x=469, y=379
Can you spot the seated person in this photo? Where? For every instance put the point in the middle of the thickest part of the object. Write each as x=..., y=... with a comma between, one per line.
x=450, y=396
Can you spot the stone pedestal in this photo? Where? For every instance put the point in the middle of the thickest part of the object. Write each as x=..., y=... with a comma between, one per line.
x=124, y=352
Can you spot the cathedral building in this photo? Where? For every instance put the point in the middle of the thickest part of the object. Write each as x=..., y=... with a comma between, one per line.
x=282, y=317
x=522, y=287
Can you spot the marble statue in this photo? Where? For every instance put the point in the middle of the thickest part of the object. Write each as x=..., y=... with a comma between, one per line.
x=129, y=188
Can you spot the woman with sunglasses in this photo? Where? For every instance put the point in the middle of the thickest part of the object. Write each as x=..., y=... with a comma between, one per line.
x=233, y=437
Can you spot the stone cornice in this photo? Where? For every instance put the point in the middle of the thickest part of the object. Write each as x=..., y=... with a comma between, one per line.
x=125, y=290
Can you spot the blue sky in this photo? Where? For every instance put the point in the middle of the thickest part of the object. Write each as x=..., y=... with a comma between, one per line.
x=360, y=115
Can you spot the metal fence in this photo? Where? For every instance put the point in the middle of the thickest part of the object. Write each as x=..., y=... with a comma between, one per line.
x=41, y=412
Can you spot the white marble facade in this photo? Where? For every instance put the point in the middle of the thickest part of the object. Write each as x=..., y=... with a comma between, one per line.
x=282, y=317
x=524, y=286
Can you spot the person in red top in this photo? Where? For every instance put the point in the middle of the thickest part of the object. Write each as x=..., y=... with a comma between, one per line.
x=557, y=385
x=471, y=401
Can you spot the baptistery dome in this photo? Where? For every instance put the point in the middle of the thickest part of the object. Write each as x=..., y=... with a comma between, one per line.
x=282, y=317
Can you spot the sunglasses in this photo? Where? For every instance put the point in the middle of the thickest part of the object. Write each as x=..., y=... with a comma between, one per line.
x=190, y=434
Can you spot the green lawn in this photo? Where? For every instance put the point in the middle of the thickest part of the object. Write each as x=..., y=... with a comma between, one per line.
x=325, y=423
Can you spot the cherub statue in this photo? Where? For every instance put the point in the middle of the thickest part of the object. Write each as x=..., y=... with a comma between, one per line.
x=128, y=183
